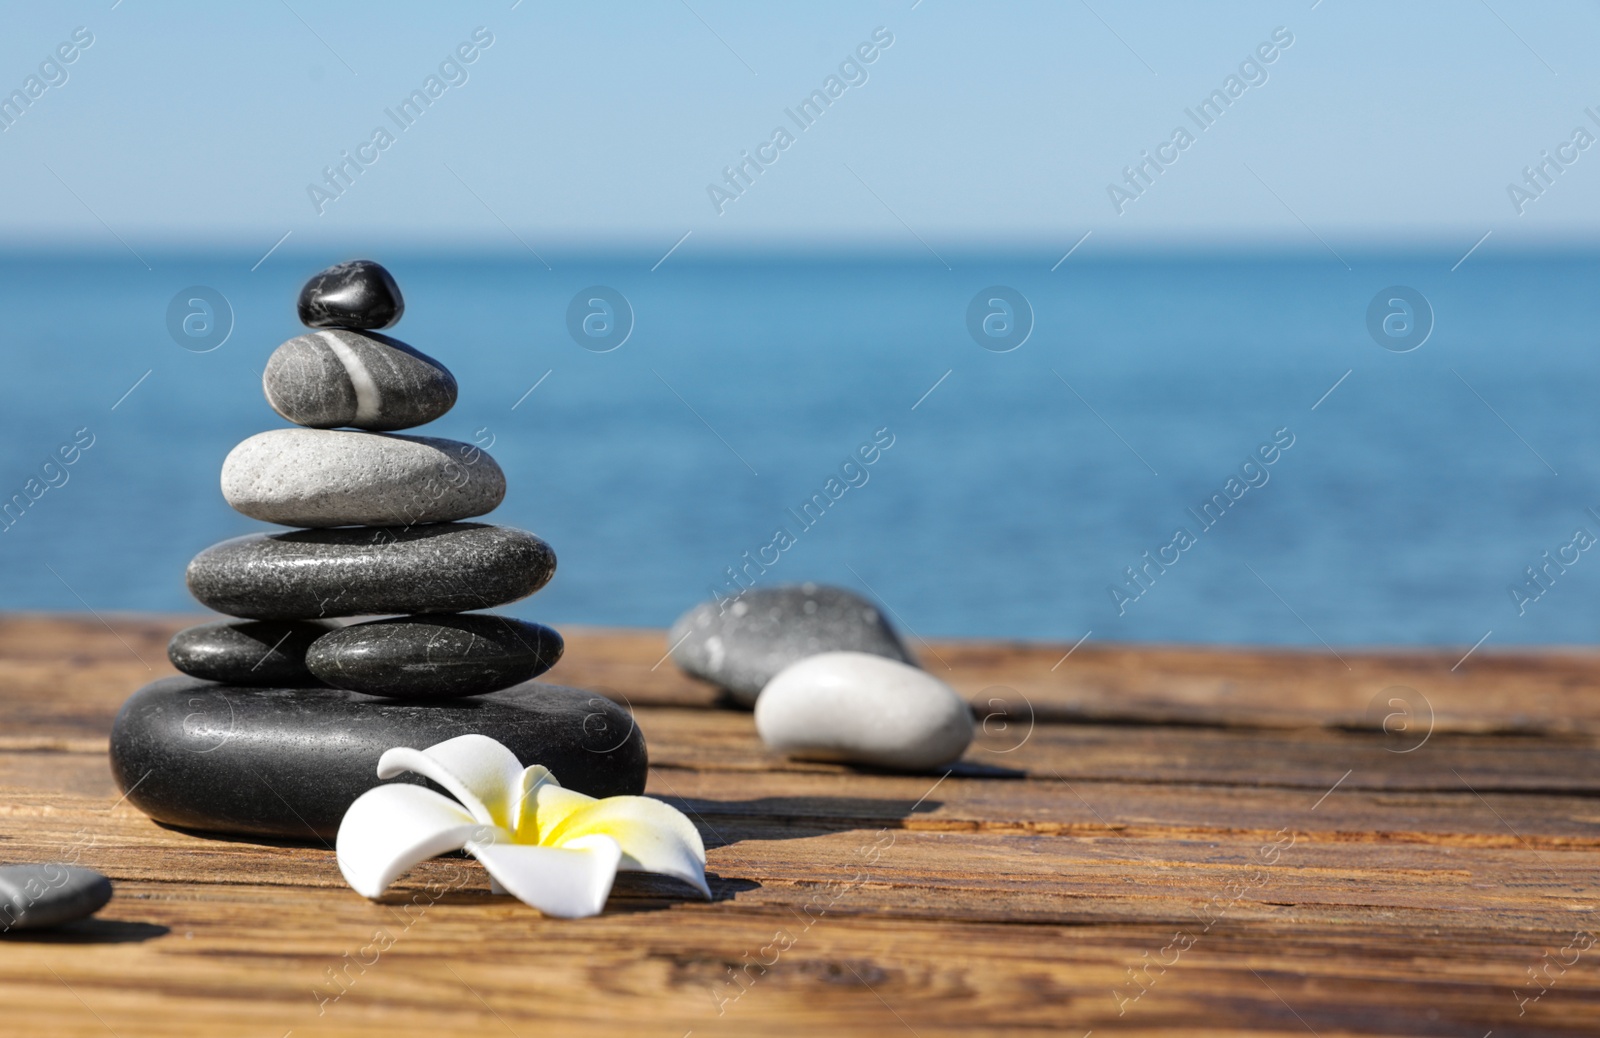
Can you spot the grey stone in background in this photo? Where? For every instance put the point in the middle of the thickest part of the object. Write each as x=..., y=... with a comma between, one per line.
x=247, y=652
x=324, y=477
x=356, y=294
x=315, y=574
x=288, y=762
x=332, y=378
x=434, y=657
x=740, y=645
x=33, y=897
x=850, y=706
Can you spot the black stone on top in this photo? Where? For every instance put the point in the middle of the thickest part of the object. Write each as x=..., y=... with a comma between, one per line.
x=288, y=762
x=247, y=652
x=359, y=295
x=434, y=657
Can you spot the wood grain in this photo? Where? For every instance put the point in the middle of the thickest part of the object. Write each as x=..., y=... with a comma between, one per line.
x=1143, y=841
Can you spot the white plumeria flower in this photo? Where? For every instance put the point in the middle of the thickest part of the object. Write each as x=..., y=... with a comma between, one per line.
x=553, y=848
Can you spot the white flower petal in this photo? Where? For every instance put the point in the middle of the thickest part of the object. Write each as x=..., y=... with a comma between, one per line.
x=654, y=836
x=534, y=778
x=570, y=882
x=475, y=769
x=544, y=805
x=391, y=828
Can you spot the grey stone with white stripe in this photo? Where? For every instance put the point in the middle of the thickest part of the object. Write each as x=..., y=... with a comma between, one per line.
x=337, y=377
x=343, y=477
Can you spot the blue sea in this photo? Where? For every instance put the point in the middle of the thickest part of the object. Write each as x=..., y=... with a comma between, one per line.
x=1438, y=494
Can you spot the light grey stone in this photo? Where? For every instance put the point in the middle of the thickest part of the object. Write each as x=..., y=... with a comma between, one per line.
x=740, y=644
x=338, y=377
x=851, y=706
x=323, y=477
x=312, y=574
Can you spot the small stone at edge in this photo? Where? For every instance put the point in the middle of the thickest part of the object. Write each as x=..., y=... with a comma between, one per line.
x=33, y=897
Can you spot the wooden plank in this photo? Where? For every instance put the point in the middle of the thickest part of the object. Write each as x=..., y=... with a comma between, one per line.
x=72, y=672
x=251, y=961
x=1283, y=688
x=990, y=851
x=723, y=740
x=1311, y=759
x=1231, y=814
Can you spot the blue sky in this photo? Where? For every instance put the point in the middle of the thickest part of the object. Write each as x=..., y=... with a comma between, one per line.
x=992, y=124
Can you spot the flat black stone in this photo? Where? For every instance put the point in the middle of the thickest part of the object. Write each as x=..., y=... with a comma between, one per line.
x=288, y=763
x=366, y=570
x=33, y=897
x=247, y=652
x=434, y=657
x=359, y=294
x=740, y=645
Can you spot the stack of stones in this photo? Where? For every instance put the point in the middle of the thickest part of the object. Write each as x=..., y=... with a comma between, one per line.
x=282, y=716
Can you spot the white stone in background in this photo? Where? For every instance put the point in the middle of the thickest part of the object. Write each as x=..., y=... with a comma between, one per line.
x=852, y=706
x=323, y=477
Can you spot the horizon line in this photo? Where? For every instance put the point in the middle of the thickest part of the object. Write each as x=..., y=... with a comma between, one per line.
x=636, y=248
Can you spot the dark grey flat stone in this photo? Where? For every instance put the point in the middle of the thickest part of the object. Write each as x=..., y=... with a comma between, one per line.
x=33, y=897
x=357, y=294
x=331, y=378
x=434, y=657
x=289, y=762
x=741, y=644
x=247, y=652
x=355, y=571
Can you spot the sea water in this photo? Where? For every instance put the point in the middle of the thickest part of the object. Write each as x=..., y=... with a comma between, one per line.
x=1208, y=448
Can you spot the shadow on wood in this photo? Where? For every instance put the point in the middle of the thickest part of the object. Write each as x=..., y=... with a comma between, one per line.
x=90, y=931
x=724, y=823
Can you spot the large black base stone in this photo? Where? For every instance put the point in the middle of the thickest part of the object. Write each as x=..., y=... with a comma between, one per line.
x=288, y=762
